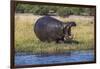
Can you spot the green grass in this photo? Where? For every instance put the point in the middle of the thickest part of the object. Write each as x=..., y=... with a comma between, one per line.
x=26, y=40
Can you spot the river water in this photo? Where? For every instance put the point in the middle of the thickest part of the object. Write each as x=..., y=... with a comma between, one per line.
x=73, y=56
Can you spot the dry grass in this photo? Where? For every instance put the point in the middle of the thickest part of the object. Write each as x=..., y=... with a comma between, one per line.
x=26, y=41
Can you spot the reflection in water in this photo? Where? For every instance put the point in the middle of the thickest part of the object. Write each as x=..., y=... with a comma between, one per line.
x=75, y=56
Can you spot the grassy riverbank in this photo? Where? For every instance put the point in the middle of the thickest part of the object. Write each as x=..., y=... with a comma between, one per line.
x=26, y=41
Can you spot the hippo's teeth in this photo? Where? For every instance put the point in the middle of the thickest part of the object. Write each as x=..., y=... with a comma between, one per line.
x=68, y=37
x=64, y=38
x=71, y=37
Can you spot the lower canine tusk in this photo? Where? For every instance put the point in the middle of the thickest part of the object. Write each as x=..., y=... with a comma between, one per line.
x=71, y=37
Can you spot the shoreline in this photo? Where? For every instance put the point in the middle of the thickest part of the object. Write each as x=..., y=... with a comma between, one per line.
x=57, y=53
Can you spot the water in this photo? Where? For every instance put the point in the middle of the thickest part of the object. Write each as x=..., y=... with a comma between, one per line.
x=75, y=56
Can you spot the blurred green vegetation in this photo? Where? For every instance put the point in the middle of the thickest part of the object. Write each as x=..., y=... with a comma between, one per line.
x=53, y=10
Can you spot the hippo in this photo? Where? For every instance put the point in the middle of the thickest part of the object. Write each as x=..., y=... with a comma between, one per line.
x=50, y=29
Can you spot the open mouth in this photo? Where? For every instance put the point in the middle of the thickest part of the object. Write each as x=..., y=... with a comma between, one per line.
x=68, y=33
x=68, y=36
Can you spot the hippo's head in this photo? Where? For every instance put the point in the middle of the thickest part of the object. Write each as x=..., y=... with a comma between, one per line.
x=67, y=30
